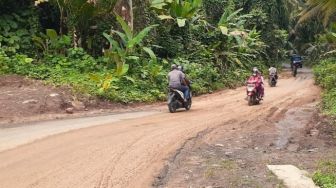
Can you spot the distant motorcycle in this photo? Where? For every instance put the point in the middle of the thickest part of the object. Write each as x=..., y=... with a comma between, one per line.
x=272, y=81
x=253, y=96
x=176, y=100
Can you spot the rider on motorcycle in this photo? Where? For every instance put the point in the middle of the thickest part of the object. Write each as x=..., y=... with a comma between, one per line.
x=176, y=79
x=273, y=71
x=259, y=80
x=297, y=58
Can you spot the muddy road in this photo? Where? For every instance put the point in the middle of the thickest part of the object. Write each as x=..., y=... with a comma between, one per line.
x=133, y=152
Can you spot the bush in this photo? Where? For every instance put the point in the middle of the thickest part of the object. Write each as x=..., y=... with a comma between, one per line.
x=18, y=64
x=329, y=102
x=325, y=74
x=325, y=77
x=16, y=30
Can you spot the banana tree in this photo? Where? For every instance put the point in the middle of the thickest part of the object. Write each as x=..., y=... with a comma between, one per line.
x=178, y=10
x=122, y=50
x=238, y=46
x=51, y=42
x=232, y=21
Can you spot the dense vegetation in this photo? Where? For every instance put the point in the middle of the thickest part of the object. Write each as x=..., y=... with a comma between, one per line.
x=119, y=52
x=105, y=48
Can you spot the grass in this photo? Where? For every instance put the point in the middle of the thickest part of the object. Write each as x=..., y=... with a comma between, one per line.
x=325, y=176
x=219, y=165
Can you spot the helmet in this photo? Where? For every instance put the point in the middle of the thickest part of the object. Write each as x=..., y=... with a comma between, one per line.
x=180, y=67
x=174, y=66
x=255, y=71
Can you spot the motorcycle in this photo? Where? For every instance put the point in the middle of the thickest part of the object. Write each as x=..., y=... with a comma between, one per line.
x=253, y=96
x=272, y=81
x=176, y=100
x=295, y=66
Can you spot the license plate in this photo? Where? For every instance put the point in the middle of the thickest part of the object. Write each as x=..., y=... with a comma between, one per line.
x=250, y=88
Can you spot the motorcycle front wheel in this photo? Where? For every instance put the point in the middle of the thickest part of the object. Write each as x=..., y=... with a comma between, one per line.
x=188, y=105
x=172, y=107
x=250, y=100
x=295, y=71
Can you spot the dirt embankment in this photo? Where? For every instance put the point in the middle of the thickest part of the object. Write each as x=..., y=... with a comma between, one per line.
x=221, y=142
x=26, y=100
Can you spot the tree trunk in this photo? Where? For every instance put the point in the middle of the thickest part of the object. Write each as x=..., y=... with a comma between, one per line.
x=131, y=13
x=124, y=9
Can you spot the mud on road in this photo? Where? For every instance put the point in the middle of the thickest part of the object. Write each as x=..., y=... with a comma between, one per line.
x=236, y=154
x=221, y=142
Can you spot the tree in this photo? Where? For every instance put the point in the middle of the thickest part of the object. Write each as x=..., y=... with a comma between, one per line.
x=124, y=8
x=324, y=8
x=78, y=16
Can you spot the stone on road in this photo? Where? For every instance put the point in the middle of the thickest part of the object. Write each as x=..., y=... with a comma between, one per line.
x=292, y=176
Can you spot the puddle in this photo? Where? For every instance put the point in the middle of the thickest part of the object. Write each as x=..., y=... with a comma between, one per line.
x=294, y=120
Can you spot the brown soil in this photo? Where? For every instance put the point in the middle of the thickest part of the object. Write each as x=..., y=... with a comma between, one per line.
x=25, y=100
x=220, y=142
x=236, y=154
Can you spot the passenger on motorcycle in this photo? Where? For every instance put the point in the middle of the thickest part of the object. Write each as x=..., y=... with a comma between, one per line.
x=176, y=79
x=187, y=81
x=259, y=80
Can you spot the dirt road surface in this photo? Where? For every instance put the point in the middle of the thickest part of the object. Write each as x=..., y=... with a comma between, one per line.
x=131, y=153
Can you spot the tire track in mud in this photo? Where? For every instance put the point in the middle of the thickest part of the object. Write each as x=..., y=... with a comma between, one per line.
x=161, y=179
x=275, y=111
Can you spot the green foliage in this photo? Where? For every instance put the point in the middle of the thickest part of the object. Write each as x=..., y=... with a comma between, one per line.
x=325, y=177
x=326, y=8
x=16, y=29
x=278, y=44
x=218, y=41
x=324, y=45
x=206, y=77
x=258, y=19
x=124, y=51
x=214, y=9
x=238, y=47
x=324, y=73
x=325, y=77
x=51, y=43
x=178, y=10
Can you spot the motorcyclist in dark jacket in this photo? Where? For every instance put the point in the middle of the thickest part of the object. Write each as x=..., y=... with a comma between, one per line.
x=296, y=58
